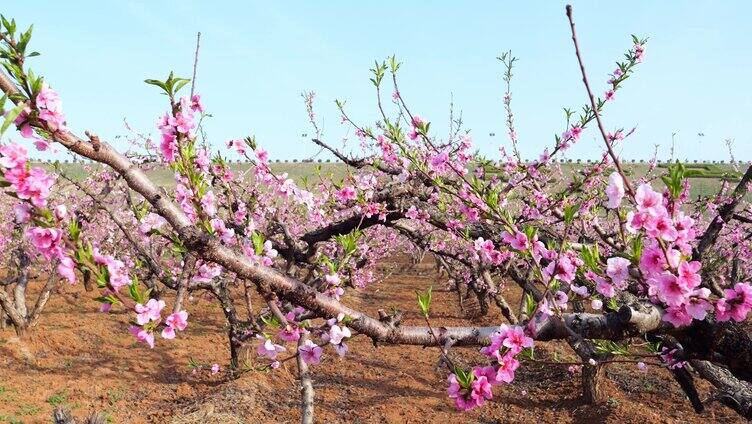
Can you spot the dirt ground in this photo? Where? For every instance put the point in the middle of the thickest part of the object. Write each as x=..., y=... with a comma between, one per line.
x=86, y=360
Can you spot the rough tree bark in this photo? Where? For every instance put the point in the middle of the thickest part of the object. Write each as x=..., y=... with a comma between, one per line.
x=306, y=386
x=592, y=375
x=501, y=302
x=733, y=393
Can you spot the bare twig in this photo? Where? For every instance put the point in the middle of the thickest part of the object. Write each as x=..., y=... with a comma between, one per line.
x=195, y=62
x=594, y=105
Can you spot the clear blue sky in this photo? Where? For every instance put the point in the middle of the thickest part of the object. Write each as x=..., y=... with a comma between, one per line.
x=256, y=58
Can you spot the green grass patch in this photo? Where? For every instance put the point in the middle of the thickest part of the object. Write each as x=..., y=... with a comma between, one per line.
x=28, y=410
x=114, y=396
x=10, y=419
x=58, y=398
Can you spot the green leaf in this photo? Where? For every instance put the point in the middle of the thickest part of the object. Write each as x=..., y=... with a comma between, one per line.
x=24, y=41
x=569, y=212
x=258, y=242
x=637, y=244
x=424, y=301
x=554, y=286
x=606, y=347
x=464, y=378
x=74, y=230
x=612, y=305
x=530, y=305
x=270, y=321
x=492, y=198
x=10, y=117
x=159, y=84
x=36, y=84
x=349, y=242
x=528, y=353
x=529, y=230
x=591, y=256
x=329, y=264
x=674, y=179
x=653, y=347
x=180, y=84
x=393, y=64
x=134, y=292
x=10, y=26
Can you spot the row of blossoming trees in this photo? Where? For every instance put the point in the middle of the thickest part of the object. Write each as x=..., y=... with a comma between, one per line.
x=610, y=264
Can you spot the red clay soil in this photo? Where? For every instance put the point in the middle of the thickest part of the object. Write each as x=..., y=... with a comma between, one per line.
x=87, y=361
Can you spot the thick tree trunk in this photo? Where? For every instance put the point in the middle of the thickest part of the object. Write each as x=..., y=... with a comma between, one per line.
x=732, y=392
x=184, y=281
x=235, y=326
x=306, y=387
x=3, y=319
x=9, y=307
x=506, y=310
x=22, y=331
x=482, y=296
x=62, y=415
x=19, y=293
x=247, y=289
x=44, y=296
x=88, y=286
x=592, y=377
x=728, y=340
